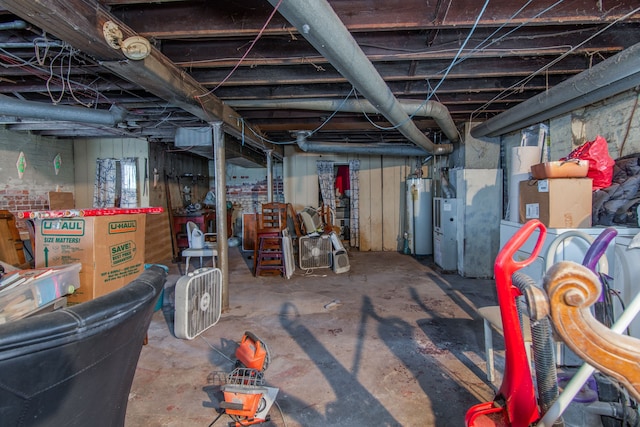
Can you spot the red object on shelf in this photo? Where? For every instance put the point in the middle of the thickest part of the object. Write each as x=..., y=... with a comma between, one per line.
x=72, y=213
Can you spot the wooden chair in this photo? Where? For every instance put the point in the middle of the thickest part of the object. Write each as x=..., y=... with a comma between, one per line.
x=268, y=253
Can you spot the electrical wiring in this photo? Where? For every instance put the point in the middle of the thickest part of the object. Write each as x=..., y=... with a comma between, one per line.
x=52, y=75
x=336, y=111
x=479, y=46
x=508, y=91
x=70, y=86
x=264, y=27
x=49, y=75
x=435, y=89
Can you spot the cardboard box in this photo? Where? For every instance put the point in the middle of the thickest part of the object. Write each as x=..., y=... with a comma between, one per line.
x=557, y=202
x=110, y=249
x=573, y=168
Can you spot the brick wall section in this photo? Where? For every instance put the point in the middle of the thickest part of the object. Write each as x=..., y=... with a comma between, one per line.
x=248, y=197
x=31, y=191
x=247, y=190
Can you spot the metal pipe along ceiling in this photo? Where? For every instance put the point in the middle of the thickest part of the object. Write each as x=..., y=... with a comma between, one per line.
x=320, y=25
x=432, y=109
x=37, y=110
x=382, y=149
x=606, y=79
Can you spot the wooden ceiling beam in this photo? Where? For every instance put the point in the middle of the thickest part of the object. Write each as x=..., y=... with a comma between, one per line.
x=80, y=23
x=231, y=18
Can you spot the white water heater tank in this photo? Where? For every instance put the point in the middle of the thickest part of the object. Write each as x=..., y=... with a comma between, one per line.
x=419, y=216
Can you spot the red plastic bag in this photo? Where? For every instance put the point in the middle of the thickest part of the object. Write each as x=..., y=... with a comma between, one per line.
x=600, y=162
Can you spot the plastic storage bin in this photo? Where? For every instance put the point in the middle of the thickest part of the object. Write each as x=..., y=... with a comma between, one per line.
x=25, y=291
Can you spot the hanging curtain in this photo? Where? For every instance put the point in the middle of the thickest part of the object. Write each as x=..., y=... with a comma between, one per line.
x=104, y=188
x=326, y=180
x=129, y=183
x=354, y=211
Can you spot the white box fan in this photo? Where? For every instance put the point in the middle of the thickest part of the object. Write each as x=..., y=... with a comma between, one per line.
x=198, y=302
x=340, y=261
x=315, y=252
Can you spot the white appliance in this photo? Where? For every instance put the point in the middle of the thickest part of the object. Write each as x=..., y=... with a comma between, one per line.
x=569, y=249
x=570, y=246
x=311, y=220
x=340, y=261
x=625, y=278
x=198, y=298
x=479, y=192
x=419, y=216
x=445, y=245
x=315, y=252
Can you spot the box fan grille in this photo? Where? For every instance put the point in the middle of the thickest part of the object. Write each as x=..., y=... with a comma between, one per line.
x=315, y=252
x=198, y=302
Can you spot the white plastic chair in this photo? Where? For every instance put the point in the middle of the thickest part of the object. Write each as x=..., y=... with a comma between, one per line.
x=199, y=246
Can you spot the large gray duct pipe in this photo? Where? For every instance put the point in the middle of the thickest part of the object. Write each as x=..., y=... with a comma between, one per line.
x=432, y=109
x=13, y=25
x=320, y=25
x=382, y=149
x=612, y=76
x=37, y=110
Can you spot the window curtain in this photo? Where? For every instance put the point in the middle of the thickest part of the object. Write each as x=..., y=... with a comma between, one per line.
x=104, y=188
x=354, y=211
x=326, y=180
x=129, y=183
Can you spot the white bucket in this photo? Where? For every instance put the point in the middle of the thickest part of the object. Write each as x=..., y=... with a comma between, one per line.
x=197, y=239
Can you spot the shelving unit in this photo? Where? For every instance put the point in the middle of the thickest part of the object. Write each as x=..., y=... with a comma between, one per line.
x=342, y=217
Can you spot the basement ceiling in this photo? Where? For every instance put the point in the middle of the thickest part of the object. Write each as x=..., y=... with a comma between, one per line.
x=236, y=62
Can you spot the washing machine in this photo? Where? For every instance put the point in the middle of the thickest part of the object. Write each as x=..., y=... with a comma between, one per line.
x=626, y=278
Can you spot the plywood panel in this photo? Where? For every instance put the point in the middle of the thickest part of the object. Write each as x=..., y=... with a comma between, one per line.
x=157, y=238
x=393, y=173
x=59, y=200
x=377, y=201
x=11, y=247
x=249, y=231
x=365, y=204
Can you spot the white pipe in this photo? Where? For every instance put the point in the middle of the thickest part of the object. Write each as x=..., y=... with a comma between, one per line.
x=585, y=371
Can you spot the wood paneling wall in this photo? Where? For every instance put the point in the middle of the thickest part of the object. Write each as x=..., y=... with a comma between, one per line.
x=382, y=193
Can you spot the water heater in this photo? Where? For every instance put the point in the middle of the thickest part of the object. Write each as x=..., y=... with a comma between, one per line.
x=419, y=216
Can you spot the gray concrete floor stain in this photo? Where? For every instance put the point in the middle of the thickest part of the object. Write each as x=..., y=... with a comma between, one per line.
x=392, y=342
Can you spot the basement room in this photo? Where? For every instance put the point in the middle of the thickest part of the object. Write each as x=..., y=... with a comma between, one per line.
x=298, y=213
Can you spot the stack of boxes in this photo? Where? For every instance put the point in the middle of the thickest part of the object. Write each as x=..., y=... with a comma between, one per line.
x=109, y=248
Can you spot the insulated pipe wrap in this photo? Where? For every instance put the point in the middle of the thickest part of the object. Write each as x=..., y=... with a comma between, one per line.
x=319, y=24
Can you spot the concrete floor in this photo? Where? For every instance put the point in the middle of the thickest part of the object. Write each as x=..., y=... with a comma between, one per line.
x=402, y=346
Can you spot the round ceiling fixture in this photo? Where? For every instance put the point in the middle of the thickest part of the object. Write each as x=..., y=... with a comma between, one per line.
x=136, y=47
x=112, y=34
